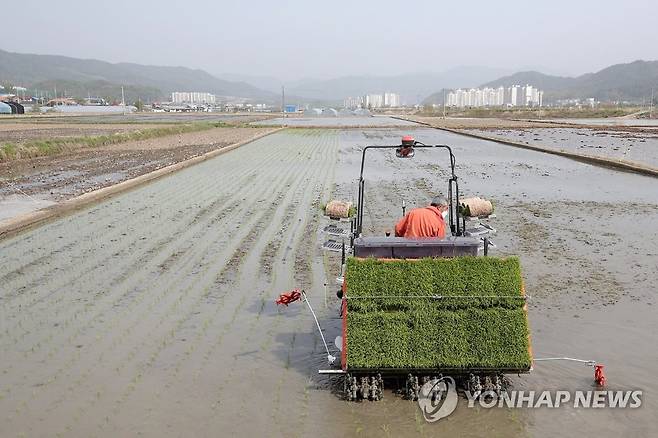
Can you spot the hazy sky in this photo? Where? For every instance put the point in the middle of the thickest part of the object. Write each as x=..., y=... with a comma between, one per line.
x=294, y=39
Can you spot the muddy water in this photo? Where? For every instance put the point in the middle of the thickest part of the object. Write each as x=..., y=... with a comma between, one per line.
x=153, y=313
x=612, y=121
x=638, y=147
x=586, y=237
x=14, y=205
x=356, y=121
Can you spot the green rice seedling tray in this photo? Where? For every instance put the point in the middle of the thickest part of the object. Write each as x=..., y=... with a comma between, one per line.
x=458, y=314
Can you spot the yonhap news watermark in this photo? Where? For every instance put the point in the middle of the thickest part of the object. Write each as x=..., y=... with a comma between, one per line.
x=555, y=399
x=438, y=399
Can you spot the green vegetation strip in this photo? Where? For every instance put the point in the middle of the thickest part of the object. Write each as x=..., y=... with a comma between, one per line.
x=460, y=313
x=37, y=148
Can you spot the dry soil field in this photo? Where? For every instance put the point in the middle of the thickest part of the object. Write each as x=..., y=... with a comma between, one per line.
x=32, y=183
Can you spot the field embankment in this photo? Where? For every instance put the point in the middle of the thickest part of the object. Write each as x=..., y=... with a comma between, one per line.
x=28, y=184
x=477, y=122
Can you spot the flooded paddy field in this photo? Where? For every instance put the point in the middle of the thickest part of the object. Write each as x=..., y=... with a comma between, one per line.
x=334, y=122
x=153, y=313
x=639, y=146
x=478, y=122
x=611, y=121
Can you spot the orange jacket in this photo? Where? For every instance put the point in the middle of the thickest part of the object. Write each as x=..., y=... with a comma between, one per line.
x=422, y=222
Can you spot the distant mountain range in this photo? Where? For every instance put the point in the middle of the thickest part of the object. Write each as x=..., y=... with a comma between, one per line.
x=412, y=87
x=621, y=82
x=82, y=76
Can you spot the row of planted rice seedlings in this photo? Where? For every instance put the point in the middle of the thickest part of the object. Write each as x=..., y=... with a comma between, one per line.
x=231, y=271
x=100, y=228
x=297, y=236
x=238, y=253
x=75, y=316
x=283, y=212
x=150, y=250
x=308, y=240
x=126, y=334
x=78, y=271
x=50, y=233
x=127, y=311
x=167, y=316
x=289, y=211
x=62, y=302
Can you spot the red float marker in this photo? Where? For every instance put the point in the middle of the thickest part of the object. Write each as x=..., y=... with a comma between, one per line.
x=599, y=375
x=289, y=297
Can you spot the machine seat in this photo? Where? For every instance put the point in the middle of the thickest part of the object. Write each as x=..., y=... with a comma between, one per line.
x=405, y=248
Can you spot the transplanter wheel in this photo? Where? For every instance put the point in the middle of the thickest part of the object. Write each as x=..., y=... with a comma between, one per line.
x=376, y=387
x=474, y=385
x=497, y=383
x=365, y=388
x=351, y=388
x=488, y=384
x=380, y=387
x=412, y=387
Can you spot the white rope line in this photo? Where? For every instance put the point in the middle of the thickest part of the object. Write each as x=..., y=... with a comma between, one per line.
x=587, y=362
x=330, y=358
x=438, y=297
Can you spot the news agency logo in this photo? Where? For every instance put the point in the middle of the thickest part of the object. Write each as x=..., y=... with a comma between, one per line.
x=438, y=399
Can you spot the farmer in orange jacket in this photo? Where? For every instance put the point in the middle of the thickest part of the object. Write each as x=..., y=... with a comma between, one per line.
x=424, y=222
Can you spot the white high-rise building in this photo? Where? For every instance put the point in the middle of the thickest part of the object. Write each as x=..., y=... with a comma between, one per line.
x=353, y=102
x=374, y=100
x=514, y=93
x=491, y=97
x=180, y=97
x=391, y=100
x=195, y=97
x=500, y=96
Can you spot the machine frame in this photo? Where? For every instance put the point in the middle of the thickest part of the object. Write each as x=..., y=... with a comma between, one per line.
x=408, y=145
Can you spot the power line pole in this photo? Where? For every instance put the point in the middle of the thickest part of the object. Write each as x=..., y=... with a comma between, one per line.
x=444, y=103
x=651, y=105
x=123, y=101
x=283, y=104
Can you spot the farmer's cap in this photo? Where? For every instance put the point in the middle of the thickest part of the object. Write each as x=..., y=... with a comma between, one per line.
x=439, y=200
